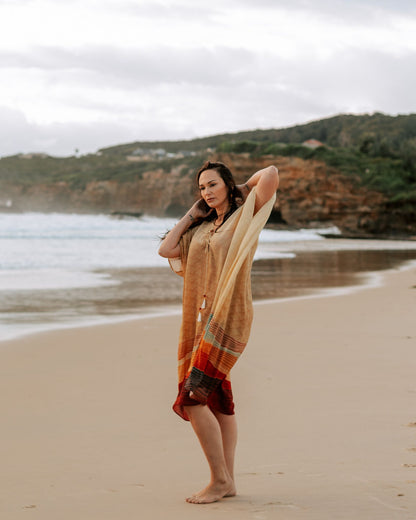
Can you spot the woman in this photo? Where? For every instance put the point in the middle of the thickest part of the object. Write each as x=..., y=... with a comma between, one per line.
x=212, y=247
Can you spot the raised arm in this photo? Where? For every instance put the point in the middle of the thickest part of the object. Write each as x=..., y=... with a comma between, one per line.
x=266, y=182
x=170, y=248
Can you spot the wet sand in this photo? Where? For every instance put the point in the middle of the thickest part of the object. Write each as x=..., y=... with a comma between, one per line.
x=146, y=291
x=325, y=396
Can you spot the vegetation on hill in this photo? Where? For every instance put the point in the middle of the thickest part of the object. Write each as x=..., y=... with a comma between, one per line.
x=376, y=150
x=338, y=131
x=393, y=174
x=79, y=171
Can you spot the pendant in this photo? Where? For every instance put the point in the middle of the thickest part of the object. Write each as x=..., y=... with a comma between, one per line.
x=199, y=317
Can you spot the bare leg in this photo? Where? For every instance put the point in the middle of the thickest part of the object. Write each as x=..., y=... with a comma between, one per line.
x=228, y=426
x=208, y=431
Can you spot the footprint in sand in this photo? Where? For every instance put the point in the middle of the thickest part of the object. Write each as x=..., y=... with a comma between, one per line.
x=411, y=449
x=409, y=465
x=412, y=425
x=32, y=506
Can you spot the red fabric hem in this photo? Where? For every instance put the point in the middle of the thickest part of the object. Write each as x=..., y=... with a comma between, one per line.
x=220, y=400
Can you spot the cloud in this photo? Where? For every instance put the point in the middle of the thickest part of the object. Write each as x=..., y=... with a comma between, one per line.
x=353, y=7
x=197, y=97
x=134, y=67
x=100, y=72
x=170, y=10
x=18, y=135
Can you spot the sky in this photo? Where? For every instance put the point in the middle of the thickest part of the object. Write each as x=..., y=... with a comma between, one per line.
x=86, y=74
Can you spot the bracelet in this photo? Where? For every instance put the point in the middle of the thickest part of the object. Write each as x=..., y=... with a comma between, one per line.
x=247, y=186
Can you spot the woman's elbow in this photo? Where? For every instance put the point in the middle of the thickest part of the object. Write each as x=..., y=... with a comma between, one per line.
x=168, y=252
x=274, y=175
x=274, y=171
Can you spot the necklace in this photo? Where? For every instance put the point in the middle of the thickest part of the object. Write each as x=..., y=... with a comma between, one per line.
x=218, y=216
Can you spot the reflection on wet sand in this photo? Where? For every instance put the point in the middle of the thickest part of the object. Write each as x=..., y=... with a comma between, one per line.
x=149, y=290
x=309, y=271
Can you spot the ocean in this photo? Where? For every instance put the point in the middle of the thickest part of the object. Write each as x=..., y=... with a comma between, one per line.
x=55, y=251
x=60, y=270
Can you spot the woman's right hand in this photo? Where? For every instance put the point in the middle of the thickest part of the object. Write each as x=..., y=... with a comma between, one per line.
x=199, y=210
x=169, y=248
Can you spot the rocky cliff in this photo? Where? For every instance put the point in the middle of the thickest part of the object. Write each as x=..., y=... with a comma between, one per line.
x=310, y=194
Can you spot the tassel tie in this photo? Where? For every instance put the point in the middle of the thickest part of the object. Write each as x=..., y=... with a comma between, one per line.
x=207, y=249
x=204, y=304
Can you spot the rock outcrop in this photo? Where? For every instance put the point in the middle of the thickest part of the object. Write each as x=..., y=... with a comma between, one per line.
x=311, y=194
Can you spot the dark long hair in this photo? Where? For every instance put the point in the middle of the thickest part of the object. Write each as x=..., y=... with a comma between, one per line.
x=235, y=197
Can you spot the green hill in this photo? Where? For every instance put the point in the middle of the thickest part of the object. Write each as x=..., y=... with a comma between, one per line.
x=378, y=151
x=338, y=131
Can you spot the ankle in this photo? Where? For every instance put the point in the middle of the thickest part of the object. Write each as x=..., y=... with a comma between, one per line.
x=221, y=480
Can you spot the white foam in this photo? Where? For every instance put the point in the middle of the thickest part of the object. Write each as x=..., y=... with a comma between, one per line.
x=44, y=279
x=281, y=235
x=264, y=254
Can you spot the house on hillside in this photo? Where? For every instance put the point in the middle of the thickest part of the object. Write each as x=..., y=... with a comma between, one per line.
x=312, y=143
x=147, y=154
x=6, y=205
x=37, y=155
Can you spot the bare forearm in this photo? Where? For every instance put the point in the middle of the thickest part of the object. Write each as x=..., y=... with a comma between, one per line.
x=169, y=246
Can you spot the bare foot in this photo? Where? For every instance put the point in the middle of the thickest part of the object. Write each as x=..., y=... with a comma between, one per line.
x=213, y=492
x=232, y=492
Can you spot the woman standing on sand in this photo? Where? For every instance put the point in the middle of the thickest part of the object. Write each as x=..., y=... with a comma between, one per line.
x=212, y=247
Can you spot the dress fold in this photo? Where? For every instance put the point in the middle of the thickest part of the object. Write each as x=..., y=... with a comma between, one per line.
x=217, y=305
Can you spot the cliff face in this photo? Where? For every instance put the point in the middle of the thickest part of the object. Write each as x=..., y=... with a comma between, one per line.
x=152, y=194
x=313, y=195
x=310, y=194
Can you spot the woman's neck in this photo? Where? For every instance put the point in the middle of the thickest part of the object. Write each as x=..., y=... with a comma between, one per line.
x=221, y=212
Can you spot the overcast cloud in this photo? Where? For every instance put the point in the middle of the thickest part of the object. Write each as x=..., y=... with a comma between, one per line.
x=93, y=73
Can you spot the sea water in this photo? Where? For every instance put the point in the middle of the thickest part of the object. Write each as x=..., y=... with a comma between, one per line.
x=65, y=270
x=47, y=251
x=59, y=270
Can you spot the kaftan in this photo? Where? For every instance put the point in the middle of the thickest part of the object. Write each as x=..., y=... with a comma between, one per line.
x=217, y=305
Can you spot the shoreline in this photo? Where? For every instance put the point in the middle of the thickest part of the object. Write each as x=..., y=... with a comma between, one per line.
x=283, y=271
x=369, y=279
x=325, y=401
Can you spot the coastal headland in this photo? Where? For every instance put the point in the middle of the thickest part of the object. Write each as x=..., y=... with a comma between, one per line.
x=354, y=172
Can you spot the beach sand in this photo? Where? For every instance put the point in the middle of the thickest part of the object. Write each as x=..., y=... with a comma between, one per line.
x=325, y=395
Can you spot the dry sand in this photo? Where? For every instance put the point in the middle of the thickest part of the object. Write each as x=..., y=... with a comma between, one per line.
x=325, y=395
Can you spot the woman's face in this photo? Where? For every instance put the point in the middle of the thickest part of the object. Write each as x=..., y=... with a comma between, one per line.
x=213, y=189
